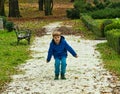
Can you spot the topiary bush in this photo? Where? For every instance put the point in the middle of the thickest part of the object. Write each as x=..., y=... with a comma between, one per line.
x=104, y=24
x=113, y=38
x=115, y=25
x=9, y=26
x=91, y=24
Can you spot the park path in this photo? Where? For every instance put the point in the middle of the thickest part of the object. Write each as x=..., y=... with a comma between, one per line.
x=85, y=74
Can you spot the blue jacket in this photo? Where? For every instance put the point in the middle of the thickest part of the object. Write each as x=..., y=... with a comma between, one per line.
x=59, y=51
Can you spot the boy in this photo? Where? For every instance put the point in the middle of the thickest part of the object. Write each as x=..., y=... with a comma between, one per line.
x=58, y=48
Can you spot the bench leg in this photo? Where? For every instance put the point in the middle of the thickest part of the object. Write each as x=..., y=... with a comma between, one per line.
x=18, y=41
x=28, y=40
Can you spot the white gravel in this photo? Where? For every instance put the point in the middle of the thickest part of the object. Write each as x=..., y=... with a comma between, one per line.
x=85, y=74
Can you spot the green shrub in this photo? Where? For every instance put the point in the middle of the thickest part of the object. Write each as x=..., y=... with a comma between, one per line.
x=9, y=26
x=114, y=25
x=114, y=5
x=96, y=2
x=100, y=6
x=91, y=24
x=106, y=13
x=113, y=38
x=89, y=7
x=80, y=5
x=104, y=24
x=107, y=2
x=73, y=13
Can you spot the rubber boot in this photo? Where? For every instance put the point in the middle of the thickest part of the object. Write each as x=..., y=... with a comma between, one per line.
x=56, y=77
x=63, y=77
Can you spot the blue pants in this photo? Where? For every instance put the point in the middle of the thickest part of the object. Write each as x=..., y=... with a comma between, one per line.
x=60, y=65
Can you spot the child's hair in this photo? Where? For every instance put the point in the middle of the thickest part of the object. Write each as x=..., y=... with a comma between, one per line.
x=56, y=33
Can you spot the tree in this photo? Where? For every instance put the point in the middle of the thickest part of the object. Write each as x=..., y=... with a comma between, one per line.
x=14, y=8
x=41, y=3
x=71, y=0
x=48, y=5
x=2, y=9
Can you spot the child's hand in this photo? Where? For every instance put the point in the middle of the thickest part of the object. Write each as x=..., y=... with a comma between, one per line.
x=47, y=61
x=76, y=56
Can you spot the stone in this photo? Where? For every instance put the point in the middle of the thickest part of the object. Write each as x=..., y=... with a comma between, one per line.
x=118, y=83
x=1, y=24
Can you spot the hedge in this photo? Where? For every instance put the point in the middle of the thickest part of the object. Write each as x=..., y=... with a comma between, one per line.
x=104, y=24
x=106, y=13
x=114, y=25
x=113, y=38
x=91, y=24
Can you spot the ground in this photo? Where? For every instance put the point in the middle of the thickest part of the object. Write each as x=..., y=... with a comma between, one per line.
x=85, y=74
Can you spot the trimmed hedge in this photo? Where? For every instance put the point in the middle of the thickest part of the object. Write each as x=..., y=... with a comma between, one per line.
x=114, y=25
x=91, y=24
x=104, y=24
x=113, y=38
x=106, y=13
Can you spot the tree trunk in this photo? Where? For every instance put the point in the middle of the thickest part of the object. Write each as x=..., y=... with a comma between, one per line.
x=71, y=0
x=40, y=5
x=14, y=8
x=48, y=5
x=2, y=9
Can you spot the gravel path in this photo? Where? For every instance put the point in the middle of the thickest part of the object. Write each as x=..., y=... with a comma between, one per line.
x=85, y=74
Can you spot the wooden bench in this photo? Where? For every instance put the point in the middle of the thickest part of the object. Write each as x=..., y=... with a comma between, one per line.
x=22, y=34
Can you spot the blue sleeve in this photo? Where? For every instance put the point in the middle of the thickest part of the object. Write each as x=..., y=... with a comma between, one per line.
x=70, y=49
x=50, y=53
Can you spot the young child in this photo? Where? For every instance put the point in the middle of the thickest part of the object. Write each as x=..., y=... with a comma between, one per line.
x=58, y=48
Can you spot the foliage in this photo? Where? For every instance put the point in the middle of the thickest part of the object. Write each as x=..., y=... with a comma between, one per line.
x=104, y=24
x=80, y=5
x=89, y=7
x=113, y=38
x=96, y=2
x=114, y=25
x=9, y=26
x=83, y=30
x=106, y=13
x=85, y=7
x=114, y=5
x=11, y=55
x=73, y=13
x=110, y=58
x=91, y=24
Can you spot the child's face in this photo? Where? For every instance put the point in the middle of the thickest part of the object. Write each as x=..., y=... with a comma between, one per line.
x=57, y=39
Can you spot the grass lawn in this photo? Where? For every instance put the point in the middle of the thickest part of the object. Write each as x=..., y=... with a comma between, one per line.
x=10, y=55
x=110, y=58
